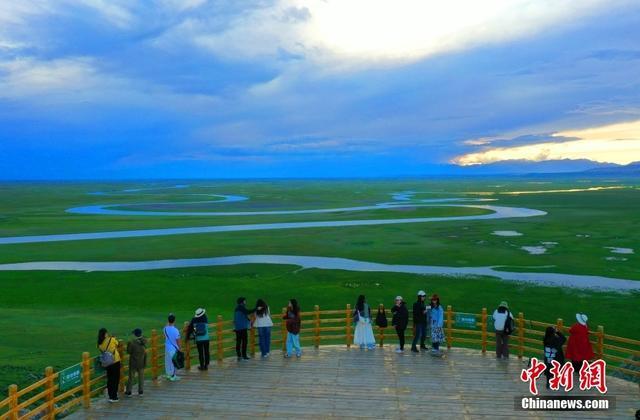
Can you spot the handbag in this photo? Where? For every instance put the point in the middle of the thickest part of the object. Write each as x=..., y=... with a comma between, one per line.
x=178, y=356
x=106, y=357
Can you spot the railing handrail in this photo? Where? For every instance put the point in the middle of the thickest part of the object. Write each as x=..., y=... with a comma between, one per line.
x=52, y=400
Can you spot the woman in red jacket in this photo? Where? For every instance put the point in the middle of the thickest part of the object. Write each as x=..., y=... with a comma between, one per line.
x=579, y=347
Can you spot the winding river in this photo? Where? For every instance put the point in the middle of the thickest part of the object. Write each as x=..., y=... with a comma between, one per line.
x=401, y=200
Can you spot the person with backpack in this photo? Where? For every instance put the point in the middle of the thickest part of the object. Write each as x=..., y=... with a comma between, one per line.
x=579, y=347
x=293, y=323
x=419, y=322
x=503, y=325
x=137, y=351
x=110, y=361
x=241, y=325
x=263, y=323
x=552, y=343
x=363, y=335
x=199, y=330
x=171, y=348
x=400, y=320
x=436, y=314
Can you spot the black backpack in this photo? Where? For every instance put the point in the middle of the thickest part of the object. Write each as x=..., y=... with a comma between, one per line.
x=509, y=324
x=381, y=319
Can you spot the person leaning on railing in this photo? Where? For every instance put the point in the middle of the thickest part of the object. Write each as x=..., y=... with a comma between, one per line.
x=503, y=325
x=110, y=360
x=199, y=329
x=263, y=323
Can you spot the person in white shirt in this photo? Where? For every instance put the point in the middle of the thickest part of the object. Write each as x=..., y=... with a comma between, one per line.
x=171, y=346
x=503, y=324
x=263, y=323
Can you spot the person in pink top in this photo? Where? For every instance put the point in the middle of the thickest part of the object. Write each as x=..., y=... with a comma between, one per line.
x=579, y=347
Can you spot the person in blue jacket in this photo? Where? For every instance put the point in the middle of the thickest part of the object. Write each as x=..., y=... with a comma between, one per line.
x=241, y=324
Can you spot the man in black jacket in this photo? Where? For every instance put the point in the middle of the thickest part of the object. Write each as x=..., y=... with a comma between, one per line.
x=419, y=322
x=400, y=321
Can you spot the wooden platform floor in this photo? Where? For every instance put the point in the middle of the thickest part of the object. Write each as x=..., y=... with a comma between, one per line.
x=336, y=382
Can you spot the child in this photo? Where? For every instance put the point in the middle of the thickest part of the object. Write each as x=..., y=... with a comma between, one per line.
x=293, y=328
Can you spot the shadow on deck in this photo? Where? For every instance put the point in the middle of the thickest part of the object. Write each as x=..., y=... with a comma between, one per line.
x=334, y=381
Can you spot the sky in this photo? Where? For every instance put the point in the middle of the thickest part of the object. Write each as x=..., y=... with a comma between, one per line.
x=116, y=89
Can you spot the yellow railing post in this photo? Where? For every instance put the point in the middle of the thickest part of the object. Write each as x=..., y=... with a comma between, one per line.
x=600, y=349
x=252, y=337
x=380, y=329
x=123, y=378
x=316, y=316
x=283, y=326
x=483, y=326
x=86, y=379
x=520, y=335
x=48, y=373
x=219, y=339
x=348, y=326
x=154, y=354
x=560, y=325
x=13, y=403
x=187, y=346
x=449, y=326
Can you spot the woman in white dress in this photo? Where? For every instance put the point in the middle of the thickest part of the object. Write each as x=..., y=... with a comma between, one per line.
x=363, y=336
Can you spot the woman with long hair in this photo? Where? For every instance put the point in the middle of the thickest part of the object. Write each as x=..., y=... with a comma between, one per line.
x=293, y=322
x=110, y=359
x=437, y=322
x=363, y=335
x=263, y=323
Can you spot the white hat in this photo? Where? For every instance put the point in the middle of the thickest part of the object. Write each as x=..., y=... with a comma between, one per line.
x=422, y=293
x=399, y=298
x=200, y=312
x=582, y=318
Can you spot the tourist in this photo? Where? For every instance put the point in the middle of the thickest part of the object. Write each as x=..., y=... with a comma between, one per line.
x=137, y=351
x=241, y=325
x=171, y=347
x=579, y=347
x=199, y=329
x=419, y=322
x=363, y=335
x=437, y=321
x=110, y=359
x=293, y=322
x=503, y=325
x=399, y=321
x=552, y=342
x=263, y=323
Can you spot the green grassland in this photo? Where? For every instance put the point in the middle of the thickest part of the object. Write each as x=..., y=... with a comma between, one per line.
x=49, y=318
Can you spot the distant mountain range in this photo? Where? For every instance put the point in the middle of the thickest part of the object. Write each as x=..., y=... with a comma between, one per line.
x=550, y=167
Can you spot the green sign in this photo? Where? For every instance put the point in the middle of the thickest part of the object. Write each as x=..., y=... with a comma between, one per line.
x=467, y=321
x=70, y=377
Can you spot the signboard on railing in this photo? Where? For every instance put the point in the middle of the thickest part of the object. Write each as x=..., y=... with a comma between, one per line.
x=467, y=321
x=70, y=377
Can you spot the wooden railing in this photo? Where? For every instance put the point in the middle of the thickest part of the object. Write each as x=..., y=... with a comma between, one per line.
x=45, y=398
